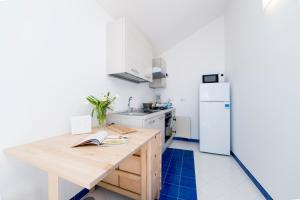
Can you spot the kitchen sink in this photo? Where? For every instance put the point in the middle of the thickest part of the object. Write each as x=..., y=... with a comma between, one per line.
x=135, y=113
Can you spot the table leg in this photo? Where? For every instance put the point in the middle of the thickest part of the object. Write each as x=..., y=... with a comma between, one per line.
x=52, y=187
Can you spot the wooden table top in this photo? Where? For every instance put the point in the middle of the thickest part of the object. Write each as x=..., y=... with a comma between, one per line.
x=84, y=166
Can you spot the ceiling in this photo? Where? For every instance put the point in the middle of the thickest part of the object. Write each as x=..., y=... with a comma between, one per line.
x=166, y=22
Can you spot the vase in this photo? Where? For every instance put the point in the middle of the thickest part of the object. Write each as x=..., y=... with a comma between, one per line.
x=102, y=119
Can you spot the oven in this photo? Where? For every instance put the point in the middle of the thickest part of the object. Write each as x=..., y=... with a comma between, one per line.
x=170, y=127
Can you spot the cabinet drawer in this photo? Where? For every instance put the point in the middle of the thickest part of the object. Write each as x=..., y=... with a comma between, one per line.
x=112, y=179
x=132, y=165
x=150, y=123
x=130, y=184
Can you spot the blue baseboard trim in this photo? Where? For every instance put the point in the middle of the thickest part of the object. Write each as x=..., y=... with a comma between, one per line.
x=186, y=139
x=80, y=194
x=252, y=178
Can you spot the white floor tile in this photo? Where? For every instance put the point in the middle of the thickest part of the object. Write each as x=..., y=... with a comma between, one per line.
x=217, y=177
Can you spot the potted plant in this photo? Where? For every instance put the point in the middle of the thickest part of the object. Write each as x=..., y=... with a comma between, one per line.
x=101, y=106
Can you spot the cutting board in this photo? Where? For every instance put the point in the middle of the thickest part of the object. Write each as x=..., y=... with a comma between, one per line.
x=121, y=129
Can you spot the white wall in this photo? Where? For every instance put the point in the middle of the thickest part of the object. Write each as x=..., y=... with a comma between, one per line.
x=52, y=55
x=263, y=60
x=201, y=53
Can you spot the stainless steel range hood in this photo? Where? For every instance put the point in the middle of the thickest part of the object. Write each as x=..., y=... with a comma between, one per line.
x=129, y=77
x=159, y=74
x=159, y=68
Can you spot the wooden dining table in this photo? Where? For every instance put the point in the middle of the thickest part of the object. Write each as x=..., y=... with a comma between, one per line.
x=85, y=166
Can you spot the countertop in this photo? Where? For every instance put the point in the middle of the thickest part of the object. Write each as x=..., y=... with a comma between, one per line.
x=148, y=116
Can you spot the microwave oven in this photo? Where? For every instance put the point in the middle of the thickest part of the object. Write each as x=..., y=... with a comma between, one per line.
x=213, y=78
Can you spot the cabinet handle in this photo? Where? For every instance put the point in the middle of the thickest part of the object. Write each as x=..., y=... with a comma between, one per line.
x=135, y=71
x=152, y=122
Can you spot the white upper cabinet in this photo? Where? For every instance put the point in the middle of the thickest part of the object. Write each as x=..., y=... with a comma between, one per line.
x=129, y=53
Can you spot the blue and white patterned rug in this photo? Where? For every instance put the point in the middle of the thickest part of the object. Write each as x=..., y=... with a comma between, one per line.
x=178, y=175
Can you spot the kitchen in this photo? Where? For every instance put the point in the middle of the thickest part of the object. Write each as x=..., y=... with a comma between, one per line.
x=56, y=53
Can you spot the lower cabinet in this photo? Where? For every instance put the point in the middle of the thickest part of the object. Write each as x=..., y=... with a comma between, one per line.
x=126, y=179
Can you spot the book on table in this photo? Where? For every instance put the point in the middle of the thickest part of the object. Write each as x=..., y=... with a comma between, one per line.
x=102, y=138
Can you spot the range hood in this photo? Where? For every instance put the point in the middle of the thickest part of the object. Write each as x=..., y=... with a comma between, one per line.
x=129, y=77
x=159, y=74
x=159, y=68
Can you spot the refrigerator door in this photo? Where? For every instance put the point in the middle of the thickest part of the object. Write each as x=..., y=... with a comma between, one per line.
x=215, y=127
x=214, y=92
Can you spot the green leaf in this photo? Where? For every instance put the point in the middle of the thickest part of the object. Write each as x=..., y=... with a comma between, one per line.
x=93, y=100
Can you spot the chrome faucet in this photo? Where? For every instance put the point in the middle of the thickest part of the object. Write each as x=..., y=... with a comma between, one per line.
x=129, y=107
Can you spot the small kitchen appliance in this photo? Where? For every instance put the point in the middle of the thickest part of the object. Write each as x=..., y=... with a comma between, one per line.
x=213, y=78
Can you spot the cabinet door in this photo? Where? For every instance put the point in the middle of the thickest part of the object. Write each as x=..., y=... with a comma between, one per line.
x=146, y=54
x=133, y=58
x=138, y=52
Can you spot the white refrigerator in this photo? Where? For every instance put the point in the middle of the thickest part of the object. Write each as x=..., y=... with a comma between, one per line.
x=215, y=118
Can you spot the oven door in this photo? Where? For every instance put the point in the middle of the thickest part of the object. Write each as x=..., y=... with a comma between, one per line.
x=168, y=124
